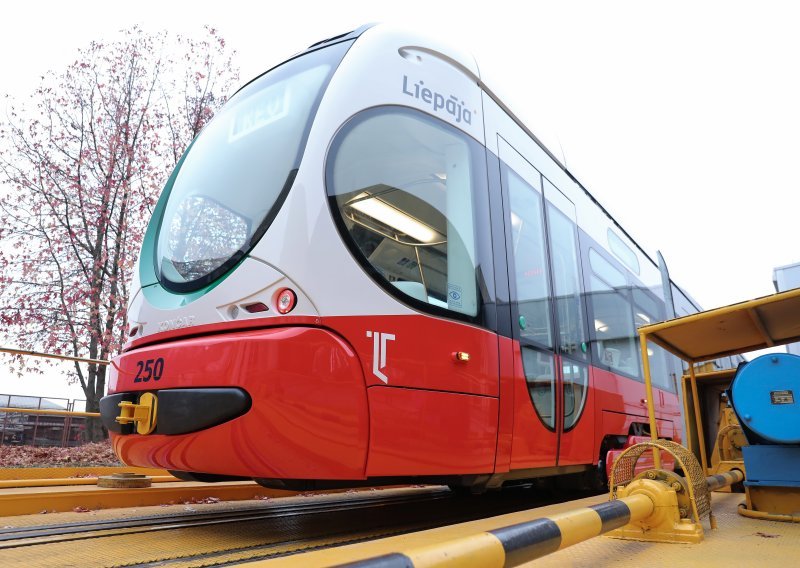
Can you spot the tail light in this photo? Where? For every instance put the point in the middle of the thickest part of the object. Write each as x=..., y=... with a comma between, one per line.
x=286, y=301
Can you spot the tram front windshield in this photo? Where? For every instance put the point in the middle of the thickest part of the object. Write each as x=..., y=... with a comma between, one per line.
x=235, y=176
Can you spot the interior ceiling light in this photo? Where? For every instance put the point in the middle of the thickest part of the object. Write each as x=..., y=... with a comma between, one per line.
x=393, y=217
x=516, y=221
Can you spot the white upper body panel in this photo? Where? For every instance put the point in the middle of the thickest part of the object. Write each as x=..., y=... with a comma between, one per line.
x=303, y=250
x=383, y=67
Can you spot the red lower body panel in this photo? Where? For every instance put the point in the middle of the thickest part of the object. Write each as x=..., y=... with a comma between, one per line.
x=314, y=417
x=309, y=415
x=419, y=432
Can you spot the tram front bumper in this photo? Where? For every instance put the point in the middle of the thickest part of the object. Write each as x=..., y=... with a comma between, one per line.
x=278, y=402
x=180, y=411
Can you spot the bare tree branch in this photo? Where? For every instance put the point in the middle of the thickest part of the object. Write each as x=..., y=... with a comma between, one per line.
x=81, y=166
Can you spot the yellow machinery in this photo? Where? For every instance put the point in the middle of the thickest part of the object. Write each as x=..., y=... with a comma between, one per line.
x=713, y=432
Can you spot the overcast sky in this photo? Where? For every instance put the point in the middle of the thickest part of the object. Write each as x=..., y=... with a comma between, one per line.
x=682, y=118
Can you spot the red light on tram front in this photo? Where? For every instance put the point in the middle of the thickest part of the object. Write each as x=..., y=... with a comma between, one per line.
x=256, y=308
x=286, y=301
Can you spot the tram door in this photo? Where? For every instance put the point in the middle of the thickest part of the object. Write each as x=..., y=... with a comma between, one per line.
x=550, y=321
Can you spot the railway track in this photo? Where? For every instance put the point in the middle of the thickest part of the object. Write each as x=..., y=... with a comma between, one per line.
x=232, y=535
x=65, y=532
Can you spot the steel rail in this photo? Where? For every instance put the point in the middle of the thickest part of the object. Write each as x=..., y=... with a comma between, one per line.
x=31, y=536
x=259, y=539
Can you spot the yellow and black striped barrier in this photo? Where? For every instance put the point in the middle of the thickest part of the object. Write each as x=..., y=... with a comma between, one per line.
x=724, y=479
x=516, y=544
x=520, y=543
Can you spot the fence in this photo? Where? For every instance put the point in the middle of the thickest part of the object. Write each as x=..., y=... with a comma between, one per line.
x=43, y=425
x=33, y=429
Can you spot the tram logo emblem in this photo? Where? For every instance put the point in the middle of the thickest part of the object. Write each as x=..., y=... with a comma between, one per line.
x=379, y=352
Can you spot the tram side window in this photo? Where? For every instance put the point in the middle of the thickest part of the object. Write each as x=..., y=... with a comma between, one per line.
x=530, y=260
x=623, y=251
x=647, y=310
x=613, y=332
x=540, y=375
x=403, y=186
x=566, y=281
x=576, y=389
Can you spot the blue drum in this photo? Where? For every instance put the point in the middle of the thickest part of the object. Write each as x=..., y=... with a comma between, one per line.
x=766, y=397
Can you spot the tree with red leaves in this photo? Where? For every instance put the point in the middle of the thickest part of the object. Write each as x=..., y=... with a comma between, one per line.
x=84, y=160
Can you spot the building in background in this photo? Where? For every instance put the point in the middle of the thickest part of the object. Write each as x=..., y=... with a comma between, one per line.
x=786, y=278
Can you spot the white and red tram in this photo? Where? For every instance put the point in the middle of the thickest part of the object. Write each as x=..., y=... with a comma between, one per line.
x=365, y=269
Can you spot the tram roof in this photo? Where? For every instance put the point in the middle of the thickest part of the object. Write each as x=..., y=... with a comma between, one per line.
x=738, y=328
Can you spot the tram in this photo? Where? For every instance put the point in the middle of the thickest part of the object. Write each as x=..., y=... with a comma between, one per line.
x=366, y=270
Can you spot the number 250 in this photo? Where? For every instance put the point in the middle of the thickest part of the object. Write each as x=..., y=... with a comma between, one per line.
x=149, y=369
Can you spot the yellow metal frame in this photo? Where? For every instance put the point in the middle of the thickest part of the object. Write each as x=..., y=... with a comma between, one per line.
x=767, y=322
x=49, y=412
x=73, y=473
x=15, y=351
